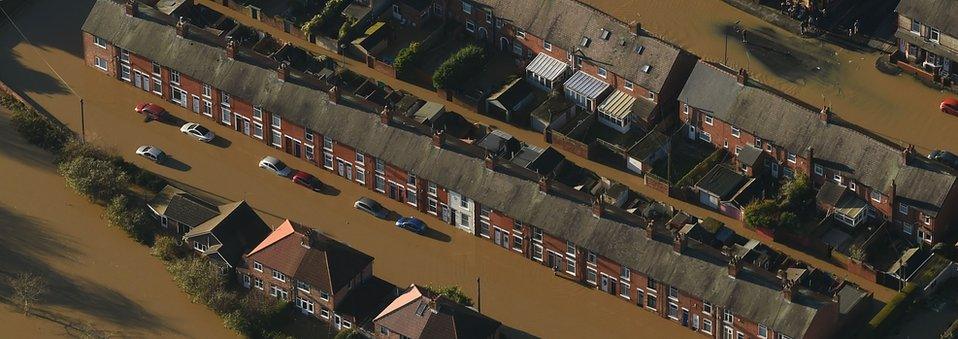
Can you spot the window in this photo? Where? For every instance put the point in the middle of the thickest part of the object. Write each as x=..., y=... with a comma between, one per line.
x=934, y=35
x=852, y=185
x=791, y=157
x=380, y=166
x=768, y=146
x=907, y=228
x=537, y=252
x=903, y=208
x=225, y=99
x=727, y=316
x=650, y=302
x=517, y=48
x=258, y=283
x=278, y=293
x=639, y=295
x=819, y=170
x=324, y=295
x=706, y=136
x=488, y=17
x=602, y=72
x=208, y=90
x=433, y=189
x=725, y=144
x=517, y=226
x=432, y=206
x=347, y=324
x=276, y=138
x=685, y=108
x=673, y=292
x=673, y=311
x=361, y=175
x=464, y=202
x=100, y=63
x=208, y=109
x=467, y=7
x=625, y=274
x=924, y=235
x=302, y=286
x=124, y=56
x=707, y=326
x=546, y=45
x=650, y=284
x=158, y=85
x=570, y=248
x=706, y=307
x=360, y=158
x=310, y=153
x=927, y=219
x=324, y=313
x=380, y=181
x=629, y=85
x=411, y=180
x=591, y=258
x=258, y=130
x=257, y=266
x=125, y=72
x=739, y=335
x=470, y=26
x=738, y=149
x=411, y=197
x=762, y=331
x=915, y=26
x=258, y=115
x=736, y=132
x=570, y=265
x=226, y=117
x=100, y=42
x=156, y=68
x=837, y=178
x=590, y=275
x=520, y=34
x=276, y=121
x=383, y=330
x=708, y=119
x=279, y=275
x=624, y=290
x=305, y=305
x=174, y=77
x=464, y=218
x=537, y=234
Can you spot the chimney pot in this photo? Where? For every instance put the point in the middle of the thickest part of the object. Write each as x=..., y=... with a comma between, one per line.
x=490, y=163
x=437, y=137
x=788, y=290
x=650, y=230
x=131, y=8
x=597, y=207
x=385, y=116
x=825, y=115
x=182, y=27
x=334, y=94
x=282, y=71
x=742, y=76
x=231, y=48
x=734, y=266
x=678, y=242
x=635, y=27
x=906, y=154
x=543, y=184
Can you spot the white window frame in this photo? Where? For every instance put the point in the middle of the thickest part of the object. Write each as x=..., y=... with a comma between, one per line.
x=819, y=170
x=520, y=34
x=99, y=42
x=602, y=72
x=709, y=120
x=875, y=196
x=174, y=77
x=257, y=266
x=302, y=286
x=672, y=306
x=727, y=316
x=361, y=175
x=278, y=140
x=706, y=307
x=792, y=158
x=852, y=186
x=258, y=283
x=736, y=132
x=97, y=61
x=279, y=275
x=934, y=35
x=629, y=85
x=707, y=325
x=470, y=26
x=903, y=208
x=837, y=178
x=467, y=7
x=926, y=219
x=276, y=121
x=258, y=127
x=546, y=45
x=207, y=91
x=762, y=331
x=324, y=295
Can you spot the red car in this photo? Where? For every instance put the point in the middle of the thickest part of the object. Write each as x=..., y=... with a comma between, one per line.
x=950, y=106
x=307, y=180
x=152, y=111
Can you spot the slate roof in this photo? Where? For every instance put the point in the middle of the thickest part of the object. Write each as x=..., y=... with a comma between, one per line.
x=940, y=14
x=419, y=313
x=798, y=128
x=721, y=181
x=499, y=142
x=183, y=207
x=750, y=155
x=516, y=197
x=368, y=299
x=648, y=145
x=539, y=160
x=564, y=23
x=512, y=94
x=237, y=227
x=325, y=263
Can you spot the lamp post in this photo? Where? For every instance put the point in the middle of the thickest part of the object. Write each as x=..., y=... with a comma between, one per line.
x=82, y=123
x=734, y=27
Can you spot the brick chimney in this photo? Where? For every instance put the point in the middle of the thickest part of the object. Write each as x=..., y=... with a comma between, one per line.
x=182, y=27
x=742, y=76
x=543, y=185
x=811, y=161
x=231, y=48
x=825, y=115
x=650, y=230
x=678, y=242
x=788, y=290
x=635, y=27
x=385, y=116
x=335, y=94
x=282, y=71
x=490, y=163
x=437, y=137
x=907, y=153
x=131, y=8
x=734, y=266
x=597, y=207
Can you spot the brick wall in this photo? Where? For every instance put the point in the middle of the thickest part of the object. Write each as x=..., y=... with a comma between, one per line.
x=107, y=53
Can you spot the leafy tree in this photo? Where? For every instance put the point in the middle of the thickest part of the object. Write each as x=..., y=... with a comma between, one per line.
x=28, y=289
x=332, y=8
x=347, y=25
x=198, y=277
x=761, y=213
x=38, y=129
x=165, y=247
x=406, y=58
x=797, y=194
x=454, y=293
x=96, y=179
x=465, y=62
x=788, y=220
x=124, y=213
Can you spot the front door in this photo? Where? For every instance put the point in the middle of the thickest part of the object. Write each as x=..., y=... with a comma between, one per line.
x=685, y=317
x=501, y=238
x=393, y=192
x=349, y=167
x=604, y=280
x=553, y=261
x=446, y=216
x=337, y=321
x=196, y=104
x=695, y=322
x=692, y=132
x=246, y=127
x=342, y=170
x=137, y=80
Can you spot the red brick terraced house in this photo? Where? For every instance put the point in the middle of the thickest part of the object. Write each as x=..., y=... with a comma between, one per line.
x=928, y=39
x=729, y=110
x=602, y=64
x=319, y=275
x=421, y=314
x=601, y=247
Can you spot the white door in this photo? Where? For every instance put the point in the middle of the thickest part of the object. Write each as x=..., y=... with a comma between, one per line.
x=196, y=104
x=337, y=321
x=692, y=132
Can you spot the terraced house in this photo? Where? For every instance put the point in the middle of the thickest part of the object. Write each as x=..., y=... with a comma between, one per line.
x=600, y=246
x=928, y=39
x=602, y=64
x=883, y=180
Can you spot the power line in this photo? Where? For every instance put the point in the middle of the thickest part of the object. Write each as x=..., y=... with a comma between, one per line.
x=40, y=56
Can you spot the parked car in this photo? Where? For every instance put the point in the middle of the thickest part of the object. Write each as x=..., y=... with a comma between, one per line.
x=372, y=207
x=307, y=180
x=151, y=152
x=274, y=165
x=151, y=111
x=197, y=131
x=412, y=224
x=949, y=106
x=944, y=157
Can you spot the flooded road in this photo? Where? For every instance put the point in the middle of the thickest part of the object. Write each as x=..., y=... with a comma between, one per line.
x=516, y=291
x=897, y=107
x=96, y=274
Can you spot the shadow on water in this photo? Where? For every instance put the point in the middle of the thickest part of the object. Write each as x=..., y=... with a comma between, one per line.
x=220, y=142
x=173, y=163
x=24, y=247
x=435, y=234
x=790, y=58
x=330, y=190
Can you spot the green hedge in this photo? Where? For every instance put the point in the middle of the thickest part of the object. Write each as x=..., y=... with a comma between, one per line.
x=332, y=8
x=702, y=168
x=887, y=316
x=128, y=214
x=462, y=64
x=35, y=127
x=406, y=58
x=96, y=179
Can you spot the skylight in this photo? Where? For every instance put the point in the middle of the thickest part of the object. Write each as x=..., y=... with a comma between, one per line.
x=585, y=41
x=604, y=34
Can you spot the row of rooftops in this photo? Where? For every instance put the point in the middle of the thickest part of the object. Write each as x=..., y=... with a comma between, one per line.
x=608, y=230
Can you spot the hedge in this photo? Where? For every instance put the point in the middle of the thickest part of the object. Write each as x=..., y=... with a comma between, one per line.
x=98, y=180
x=406, y=58
x=125, y=213
x=35, y=127
x=886, y=317
x=462, y=64
x=332, y=8
x=702, y=168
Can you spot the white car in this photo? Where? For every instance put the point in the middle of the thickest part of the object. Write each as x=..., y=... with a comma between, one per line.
x=151, y=152
x=199, y=132
x=275, y=166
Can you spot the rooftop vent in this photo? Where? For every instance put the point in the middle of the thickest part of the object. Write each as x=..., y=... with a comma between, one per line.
x=604, y=34
x=585, y=41
x=646, y=68
x=639, y=48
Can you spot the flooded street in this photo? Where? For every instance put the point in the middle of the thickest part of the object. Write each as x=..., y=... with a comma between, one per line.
x=897, y=107
x=95, y=273
x=516, y=291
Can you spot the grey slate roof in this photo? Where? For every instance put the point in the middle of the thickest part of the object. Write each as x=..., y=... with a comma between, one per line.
x=237, y=227
x=513, y=196
x=750, y=155
x=940, y=14
x=564, y=23
x=190, y=210
x=798, y=128
x=721, y=181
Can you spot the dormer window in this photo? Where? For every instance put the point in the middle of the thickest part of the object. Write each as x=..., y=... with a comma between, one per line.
x=602, y=72
x=546, y=45
x=585, y=41
x=604, y=34
x=934, y=35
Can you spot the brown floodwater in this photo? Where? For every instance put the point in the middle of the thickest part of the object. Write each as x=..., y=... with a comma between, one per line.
x=897, y=107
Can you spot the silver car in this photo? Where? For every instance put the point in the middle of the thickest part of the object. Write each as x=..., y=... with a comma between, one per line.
x=372, y=207
x=274, y=165
x=151, y=152
x=197, y=131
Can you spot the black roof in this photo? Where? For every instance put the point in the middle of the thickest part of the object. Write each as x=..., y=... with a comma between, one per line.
x=749, y=155
x=721, y=181
x=367, y=300
x=542, y=161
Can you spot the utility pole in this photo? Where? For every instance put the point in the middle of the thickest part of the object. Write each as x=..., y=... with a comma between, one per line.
x=478, y=295
x=82, y=123
x=735, y=28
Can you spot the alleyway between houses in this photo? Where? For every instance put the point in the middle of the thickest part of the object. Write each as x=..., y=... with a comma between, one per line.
x=531, y=137
x=520, y=293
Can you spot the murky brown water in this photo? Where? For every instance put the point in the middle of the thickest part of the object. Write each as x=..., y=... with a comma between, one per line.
x=900, y=108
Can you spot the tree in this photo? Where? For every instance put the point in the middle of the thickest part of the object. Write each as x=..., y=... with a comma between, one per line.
x=349, y=333
x=164, y=247
x=788, y=220
x=347, y=25
x=98, y=180
x=123, y=213
x=28, y=288
x=797, y=194
x=454, y=293
x=38, y=129
x=198, y=277
x=465, y=62
x=761, y=213
x=406, y=58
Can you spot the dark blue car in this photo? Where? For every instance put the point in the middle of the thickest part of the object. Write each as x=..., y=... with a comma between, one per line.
x=411, y=224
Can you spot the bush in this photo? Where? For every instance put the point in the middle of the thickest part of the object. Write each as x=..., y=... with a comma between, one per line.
x=40, y=130
x=98, y=180
x=406, y=58
x=797, y=194
x=165, y=247
x=79, y=149
x=198, y=277
x=453, y=293
x=349, y=333
x=332, y=8
x=761, y=213
x=459, y=66
x=124, y=213
x=788, y=220
x=347, y=25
